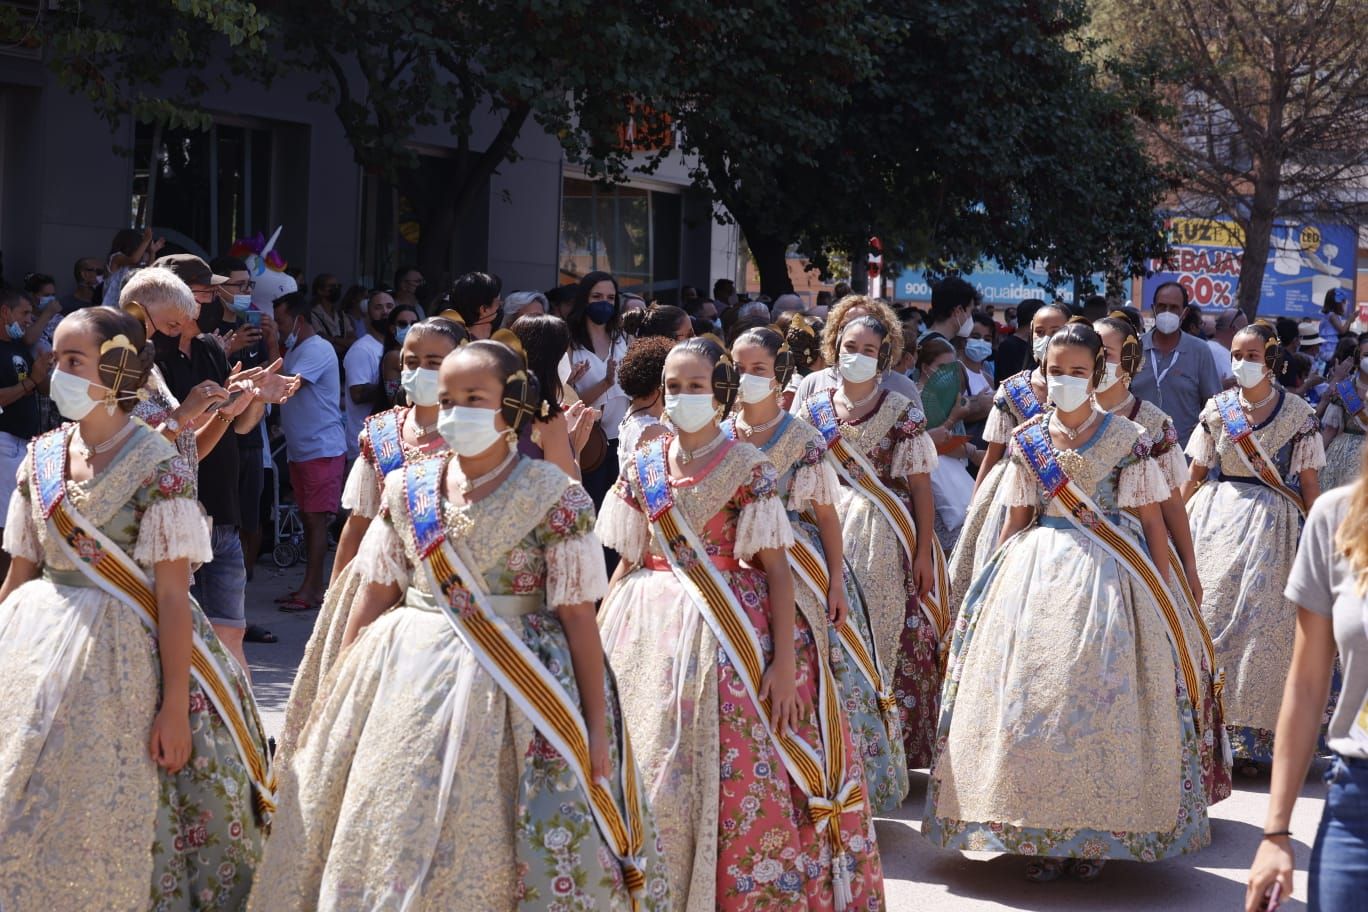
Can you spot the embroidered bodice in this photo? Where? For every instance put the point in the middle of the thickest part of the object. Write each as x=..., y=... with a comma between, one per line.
x=893, y=438
x=362, y=492
x=1290, y=437
x=1005, y=416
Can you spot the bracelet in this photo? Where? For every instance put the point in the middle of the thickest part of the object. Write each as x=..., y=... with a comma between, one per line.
x=226, y=419
x=1287, y=833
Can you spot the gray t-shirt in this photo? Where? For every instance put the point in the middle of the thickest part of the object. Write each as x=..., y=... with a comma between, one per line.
x=1180, y=383
x=1322, y=582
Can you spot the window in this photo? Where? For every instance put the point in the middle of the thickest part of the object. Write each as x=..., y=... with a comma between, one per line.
x=202, y=189
x=632, y=232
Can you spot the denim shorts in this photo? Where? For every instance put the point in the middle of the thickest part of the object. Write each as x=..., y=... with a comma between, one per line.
x=1339, y=859
x=221, y=585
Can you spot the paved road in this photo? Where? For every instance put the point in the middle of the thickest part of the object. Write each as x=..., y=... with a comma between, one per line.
x=919, y=877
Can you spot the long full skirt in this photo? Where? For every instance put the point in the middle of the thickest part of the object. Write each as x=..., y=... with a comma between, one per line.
x=735, y=827
x=1067, y=729
x=418, y=785
x=978, y=537
x=1343, y=461
x=87, y=820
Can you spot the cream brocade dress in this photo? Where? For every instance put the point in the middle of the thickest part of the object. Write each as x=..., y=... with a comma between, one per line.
x=416, y=783
x=1245, y=535
x=361, y=496
x=1067, y=730
x=1344, y=456
x=87, y=819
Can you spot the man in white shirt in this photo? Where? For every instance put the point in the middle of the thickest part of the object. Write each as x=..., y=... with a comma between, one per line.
x=361, y=367
x=1228, y=323
x=315, y=439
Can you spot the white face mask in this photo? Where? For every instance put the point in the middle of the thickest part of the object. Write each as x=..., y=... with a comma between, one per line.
x=422, y=385
x=468, y=431
x=966, y=327
x=1110, y=379
x=754, y=388
x=71, y=394
x=1363, y=365
x=858, y=368
x=690, y=411
x=1247, y=373
x=1068, y=393
x=1167, y=323
x=1038, y=348
x=563, y=369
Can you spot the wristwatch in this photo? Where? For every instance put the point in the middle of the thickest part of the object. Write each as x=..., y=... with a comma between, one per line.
x=169, y=423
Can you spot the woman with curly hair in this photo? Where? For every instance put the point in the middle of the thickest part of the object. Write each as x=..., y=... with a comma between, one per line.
x=640, y=376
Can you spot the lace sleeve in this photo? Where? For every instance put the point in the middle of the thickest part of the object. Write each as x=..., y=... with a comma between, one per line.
x=1000, y=424
x=1018, y=487
x=914, y=455
x=813, y=484
x=1334, y=416
x=621, y=524
x=1141, y=481
x=762, y=522
x=362, y=492
x=1201, y=448
x=173, y=529
x=21, y=536
x=1308, y=448
x=1170, y=456
x=575, y=571
x=380, y=557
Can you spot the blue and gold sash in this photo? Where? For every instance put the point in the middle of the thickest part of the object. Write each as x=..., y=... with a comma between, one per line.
x=1094, y=523
x=1238, y=429
x=1019, y=390
x=521, y=675
x=106, y=565
x=386, y=441
x=829, y=791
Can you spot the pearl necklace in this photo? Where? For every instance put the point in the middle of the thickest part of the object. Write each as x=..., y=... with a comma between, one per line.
x=1255, y=406
x=751, y=430
x=1123, y=404
x=1072, y=433
x=423, y=431
x=100, y=449
x=470, y=484
x=852, y=406
x=687, y=456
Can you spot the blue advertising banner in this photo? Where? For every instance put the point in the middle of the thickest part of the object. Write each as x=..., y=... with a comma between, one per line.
x=994, y=284
x=1304, y=262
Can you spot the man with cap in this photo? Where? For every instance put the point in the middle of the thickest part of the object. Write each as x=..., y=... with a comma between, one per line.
x=186, y=360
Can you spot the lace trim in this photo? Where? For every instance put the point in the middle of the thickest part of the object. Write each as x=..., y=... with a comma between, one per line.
x=762, y=524
x=1142, y=483
x=1018, y=487
x=813, y=484
x=1201, y=449
x=623, y=528
x=173, y=529
x=1001, y=422
x=21, y=537
x=914, y=456
x=380, y=557
x=575, y=572
x=1308, y=453
x=1174, y=466
x=1334, y=416
x=362, y=492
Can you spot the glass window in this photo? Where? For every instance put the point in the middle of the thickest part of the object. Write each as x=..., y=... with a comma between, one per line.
x=631, y=232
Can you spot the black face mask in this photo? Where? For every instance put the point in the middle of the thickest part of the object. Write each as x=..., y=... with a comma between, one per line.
x=332, y=295
x=210, y=315
x=381, y=325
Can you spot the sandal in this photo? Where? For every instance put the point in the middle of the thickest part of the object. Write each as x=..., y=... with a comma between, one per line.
x=1086, y=869
x=282, y=599
x=1044, y=870
x=258, y=634
x=296, y=604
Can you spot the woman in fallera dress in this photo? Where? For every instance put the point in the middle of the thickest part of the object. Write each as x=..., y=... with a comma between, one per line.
x=1256, y=454
x=467, y=752
x=133, y=768
x=389, y=441
x=1344, y=424
x=1019, y=397
x=1121, y=341
x=1068, y=732
x=759, y=796
x=878, y=445
x=825, y=592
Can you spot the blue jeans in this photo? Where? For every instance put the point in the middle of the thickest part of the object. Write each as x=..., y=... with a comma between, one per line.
x=221, y=585
x=1339, y=860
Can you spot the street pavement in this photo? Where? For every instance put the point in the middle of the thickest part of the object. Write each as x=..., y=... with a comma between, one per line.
x=919, y=877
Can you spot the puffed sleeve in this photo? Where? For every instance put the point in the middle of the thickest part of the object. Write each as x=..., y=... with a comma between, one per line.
x=1334, y=416
x=1169, y=455
x=762, y=522
x=1308, y=447
x=1000, y=424
x=1201, y=448
x=361, y=494
x=1141, y=481
x=575, y=571
x=914, y=453
x=621, y=524
x=173, y=524
x=380, y=557
x=814, y=481
x=1018, y=487
x=21, y=535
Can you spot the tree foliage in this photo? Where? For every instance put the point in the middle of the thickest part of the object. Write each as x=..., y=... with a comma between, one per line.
x=1269, y=109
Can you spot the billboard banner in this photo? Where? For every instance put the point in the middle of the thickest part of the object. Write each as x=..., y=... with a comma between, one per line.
x=1304, y=262
x=997, y=286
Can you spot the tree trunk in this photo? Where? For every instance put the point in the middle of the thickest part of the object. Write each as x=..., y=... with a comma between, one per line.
x=771, y=260
x=1263, y=208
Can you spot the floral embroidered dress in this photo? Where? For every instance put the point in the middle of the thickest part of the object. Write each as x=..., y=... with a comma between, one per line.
x=983, y=523
x=87, y=819
x=1165, y=449
x=893, y=439
x=360, y=495
x=417, y=783
x=1245, y=535
x=1344, y=455
x=1066, y=728
x=806, y=479
x=736, y=829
